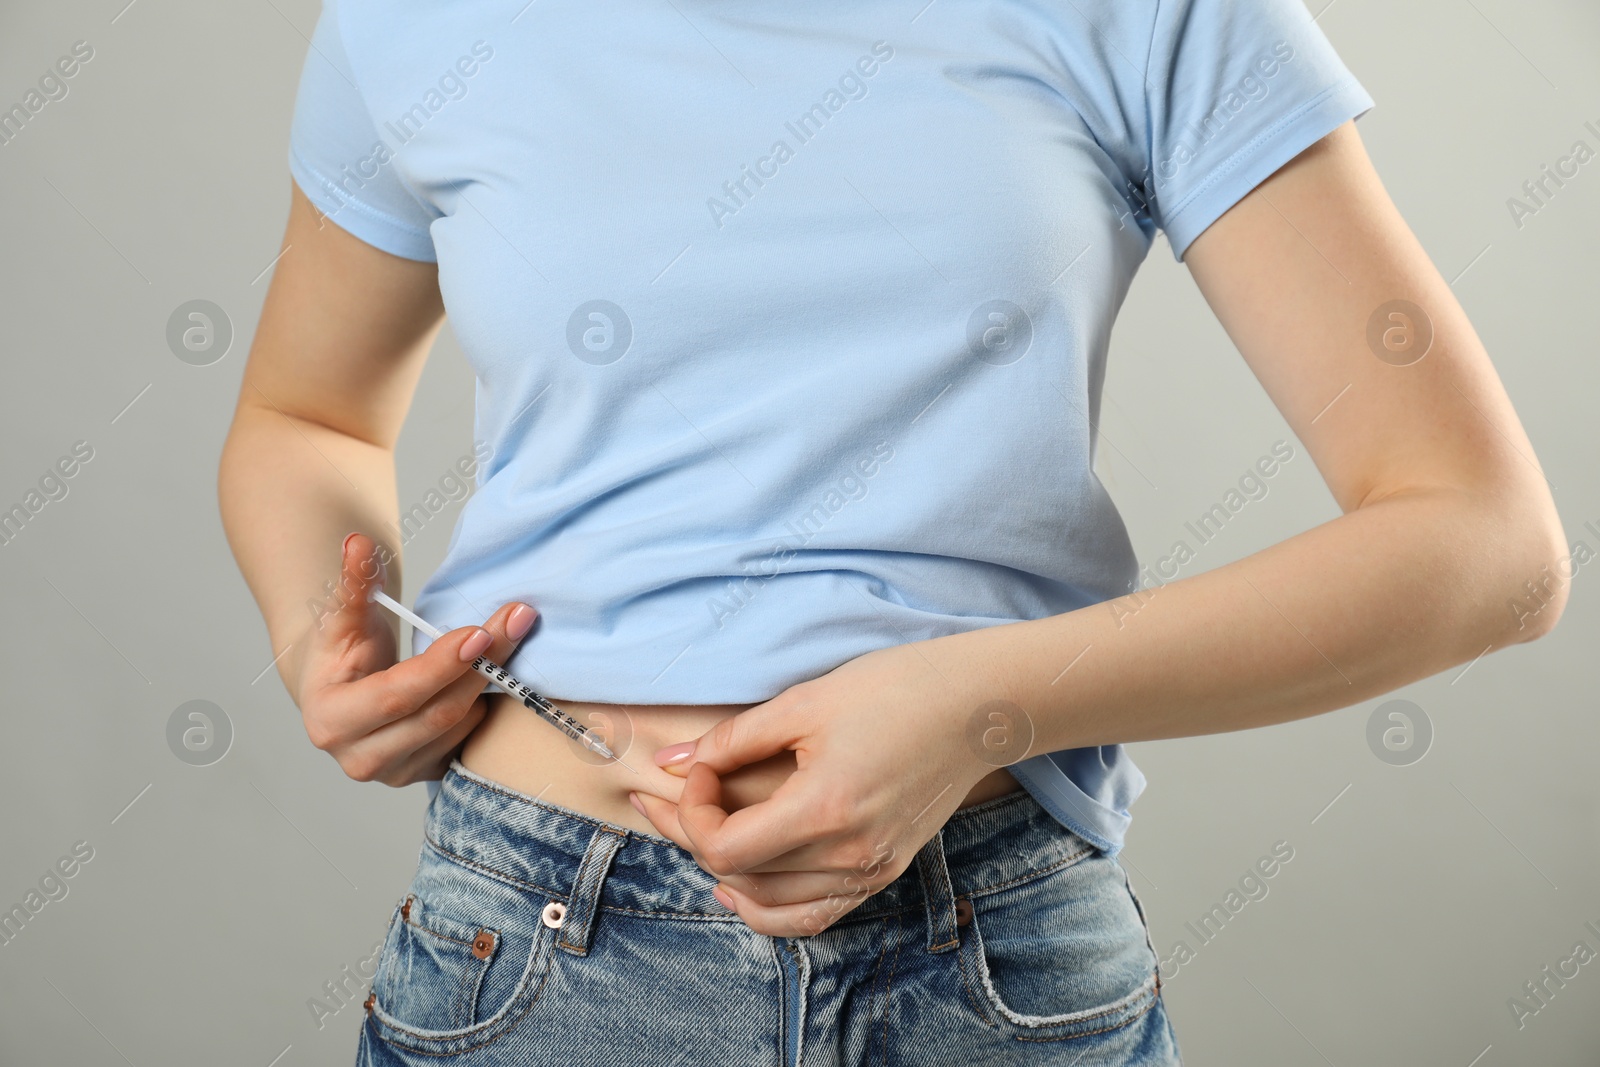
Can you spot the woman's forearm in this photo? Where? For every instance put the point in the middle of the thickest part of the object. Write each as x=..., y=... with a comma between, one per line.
x=290, y=490
x=1382, y=596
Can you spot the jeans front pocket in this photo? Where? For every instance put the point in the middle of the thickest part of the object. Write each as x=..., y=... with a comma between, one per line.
x=434, y=971
x=1064, y=955
x=462, y=962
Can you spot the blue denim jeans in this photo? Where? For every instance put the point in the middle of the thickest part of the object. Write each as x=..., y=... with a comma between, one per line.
x=532, y=934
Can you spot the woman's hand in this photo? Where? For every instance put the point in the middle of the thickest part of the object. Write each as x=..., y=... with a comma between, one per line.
x=886, y=747
x=384, y=721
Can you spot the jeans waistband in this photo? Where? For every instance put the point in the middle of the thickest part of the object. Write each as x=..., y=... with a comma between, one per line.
x=593, y=865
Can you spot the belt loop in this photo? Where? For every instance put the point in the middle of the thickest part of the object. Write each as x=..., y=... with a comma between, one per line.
x=939, y=895
x=584, y=901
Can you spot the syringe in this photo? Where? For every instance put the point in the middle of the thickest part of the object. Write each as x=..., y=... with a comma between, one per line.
x=502, y=678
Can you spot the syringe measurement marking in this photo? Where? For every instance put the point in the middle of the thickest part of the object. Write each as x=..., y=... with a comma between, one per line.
x=500, y=676
x=564, y=722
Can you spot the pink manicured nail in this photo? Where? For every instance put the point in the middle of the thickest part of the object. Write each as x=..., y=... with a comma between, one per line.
x=723, y=898
x=633, y=798
x=476, y=645
x=666, y=757
x=519, y=622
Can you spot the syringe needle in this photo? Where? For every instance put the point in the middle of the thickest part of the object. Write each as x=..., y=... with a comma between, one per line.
x=600, y=748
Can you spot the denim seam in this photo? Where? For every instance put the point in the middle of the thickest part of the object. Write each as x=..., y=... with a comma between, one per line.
x=938, y=893
x=802, y=977
x=1103, y=1030
x=474, y=988
x=471, y=777
x=883, y=947
x=493, y=1030
x=1147, y=990
x=1144, y=921
x=963, y=964
x=979, y=891
x=493, y=872
x=593, y=871
x=782, y=953
x=961, y=814
x=437, y=934
x=888, y=987
x=1029, y=876
x=434, y=933
x=783, y=1001
x=466, y=1001
x=500, y=1029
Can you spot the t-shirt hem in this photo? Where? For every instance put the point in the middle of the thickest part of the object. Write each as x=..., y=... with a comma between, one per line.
x=1066, y=801
x=1258, y=159
x=363, y=221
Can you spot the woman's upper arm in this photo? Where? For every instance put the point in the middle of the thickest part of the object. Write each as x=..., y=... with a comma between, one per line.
x=1306, y=273
x=344, y=330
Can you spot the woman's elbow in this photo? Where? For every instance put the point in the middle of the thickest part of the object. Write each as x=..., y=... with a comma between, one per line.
x=1536, y=565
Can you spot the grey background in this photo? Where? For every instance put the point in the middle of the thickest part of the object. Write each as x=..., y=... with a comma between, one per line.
x=220, y=898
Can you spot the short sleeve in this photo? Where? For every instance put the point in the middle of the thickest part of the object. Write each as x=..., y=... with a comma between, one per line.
x=1234, y=89
x=341, y=163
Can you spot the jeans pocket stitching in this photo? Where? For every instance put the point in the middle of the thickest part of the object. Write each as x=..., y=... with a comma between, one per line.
x=1151, y=1003
x=524, y=996
x=992, y=1004
x=970, y=969
x=1070, y=860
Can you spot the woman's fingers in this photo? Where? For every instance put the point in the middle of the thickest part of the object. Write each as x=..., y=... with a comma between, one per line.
x=701, y=826
x=399, y=714
x=433, y=759
x=390, y=721
x=506, y=628
x=755, y=782
x=779, y=832
x=698, y=818
x=798, y=919
x=667, y=818
x=663, y=815
x=352, y=710
x=812, y=871
x=799, y=887
x=350, y=637
x=791, y=830
x=787, y=874
x=756, y=733
x=361, y=570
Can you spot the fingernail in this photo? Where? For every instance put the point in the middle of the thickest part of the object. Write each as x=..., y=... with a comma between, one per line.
x=518, y=624
x=344, y=549
x=633, y=798
x=476, y=645
x=666, y=757
x=723, y=898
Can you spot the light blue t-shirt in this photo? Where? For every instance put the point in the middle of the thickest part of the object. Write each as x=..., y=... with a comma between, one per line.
x=789, y=321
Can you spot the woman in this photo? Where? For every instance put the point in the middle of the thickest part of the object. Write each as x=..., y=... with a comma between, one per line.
x=789, y=329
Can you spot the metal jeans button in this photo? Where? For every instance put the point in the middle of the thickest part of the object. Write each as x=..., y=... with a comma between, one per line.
x=554, y=912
